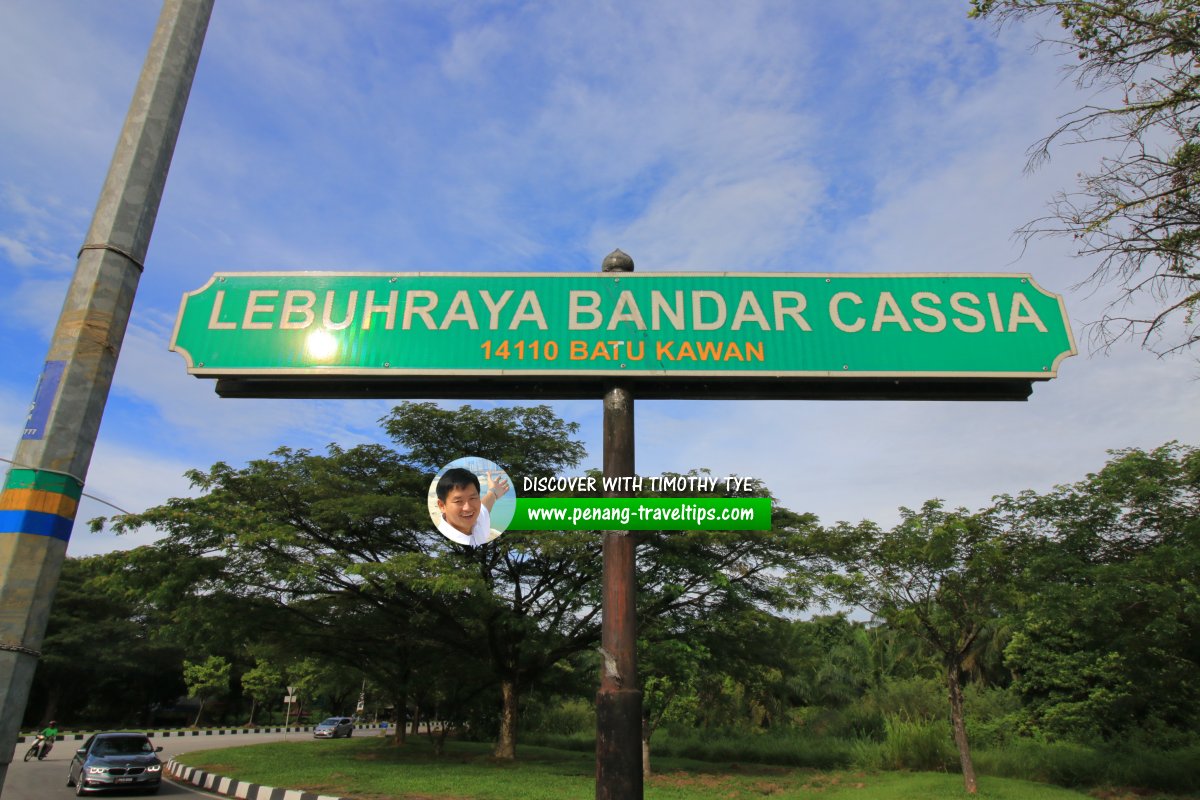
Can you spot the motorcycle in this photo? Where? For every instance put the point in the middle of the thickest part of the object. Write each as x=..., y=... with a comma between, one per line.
x=41, y=748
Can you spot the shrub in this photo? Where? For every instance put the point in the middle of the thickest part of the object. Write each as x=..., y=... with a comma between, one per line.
x=911, y=698
x=1076, y=765
x=779, y=746
x=567, y=718
x=918, y=744
x=858, y=720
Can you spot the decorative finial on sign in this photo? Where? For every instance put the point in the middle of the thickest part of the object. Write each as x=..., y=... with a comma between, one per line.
x=617, y=261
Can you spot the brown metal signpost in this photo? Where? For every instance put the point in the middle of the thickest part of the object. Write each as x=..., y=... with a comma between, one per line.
x=619, y=701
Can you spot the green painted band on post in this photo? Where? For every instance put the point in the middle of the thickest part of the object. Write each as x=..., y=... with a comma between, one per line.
x=44, y=481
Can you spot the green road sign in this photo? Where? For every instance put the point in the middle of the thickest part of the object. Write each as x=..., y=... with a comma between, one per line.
x=662, y=328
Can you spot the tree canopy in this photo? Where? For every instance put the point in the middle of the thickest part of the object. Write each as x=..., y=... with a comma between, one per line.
x=1067, y=617
x=942, y=576
x=342, y=543
x=1107, y=641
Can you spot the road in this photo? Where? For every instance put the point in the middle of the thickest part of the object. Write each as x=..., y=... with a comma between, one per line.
x=46, y=780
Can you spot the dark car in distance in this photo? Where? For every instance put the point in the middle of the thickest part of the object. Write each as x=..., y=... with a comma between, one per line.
x=116, y=762
x=334, y=727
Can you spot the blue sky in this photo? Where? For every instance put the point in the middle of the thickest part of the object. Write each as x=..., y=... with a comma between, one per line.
x=494, y=136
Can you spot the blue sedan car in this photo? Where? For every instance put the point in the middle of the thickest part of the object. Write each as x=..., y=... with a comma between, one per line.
x=116, y=762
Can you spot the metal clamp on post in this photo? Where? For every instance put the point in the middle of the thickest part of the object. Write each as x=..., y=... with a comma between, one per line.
x=113, y=249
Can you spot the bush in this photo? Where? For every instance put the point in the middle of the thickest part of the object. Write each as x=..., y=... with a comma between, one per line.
x=914, y=698
x=918, y=744
x=577, y=742
x=779, y=746
x=994, y=716
x=860, y=720
x=1077, y=765
x=867, y=755
x=568, y=718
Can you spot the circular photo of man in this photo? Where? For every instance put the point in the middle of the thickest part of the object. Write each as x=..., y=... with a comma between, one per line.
x=471, y=501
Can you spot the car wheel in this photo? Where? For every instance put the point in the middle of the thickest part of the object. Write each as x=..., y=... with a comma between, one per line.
x=70, y=780
x=79, y=790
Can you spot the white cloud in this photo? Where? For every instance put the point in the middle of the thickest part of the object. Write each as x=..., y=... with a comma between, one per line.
x=17, y=252
x=36, y=305
x=472, y=50
x=863, y=460
x=707, y=224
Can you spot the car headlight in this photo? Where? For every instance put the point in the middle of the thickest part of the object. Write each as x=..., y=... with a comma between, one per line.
x=97, y=770
x=154, y=768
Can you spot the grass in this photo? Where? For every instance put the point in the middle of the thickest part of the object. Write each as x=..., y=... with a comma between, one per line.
x=372, y=769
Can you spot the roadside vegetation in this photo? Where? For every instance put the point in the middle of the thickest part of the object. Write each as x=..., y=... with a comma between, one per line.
x=371, y=769
x=1051, y=636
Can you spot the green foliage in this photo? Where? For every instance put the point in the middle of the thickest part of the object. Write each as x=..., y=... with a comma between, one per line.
x=263, y=682
x=918, y=744
x=1108, y=639
x=671, y=672
x=326, y=566
x=308, y=677
x=527, y=442
x=1076, y=765
x=570, y=717
x=916, y=698
x=859, y=721
x=206, y=679
x=337, y=551
x=335, y=555
x=994, y=717
x=369, y=768
x=941, y=576
x=103, y=659
x=782, y=747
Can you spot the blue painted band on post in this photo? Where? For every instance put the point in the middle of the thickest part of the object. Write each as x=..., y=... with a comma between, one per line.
x=38, y=523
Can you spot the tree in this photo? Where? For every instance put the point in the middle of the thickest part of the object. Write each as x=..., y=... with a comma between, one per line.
x=669, y=686
x=318, y=683
x=299, y=530
x=344, y=542
x=1139, y=212
x=261, y=683
x=206, y=680
x=942, y=575
x=101, y=658
x=1107, y=642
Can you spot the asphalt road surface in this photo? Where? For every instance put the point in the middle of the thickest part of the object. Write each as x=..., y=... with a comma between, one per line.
x=47, y=780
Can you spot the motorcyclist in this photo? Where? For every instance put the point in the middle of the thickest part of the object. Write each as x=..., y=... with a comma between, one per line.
x=48, y=734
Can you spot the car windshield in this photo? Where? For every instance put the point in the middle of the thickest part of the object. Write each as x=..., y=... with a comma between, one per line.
x=332, y=721
x=123, y=746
